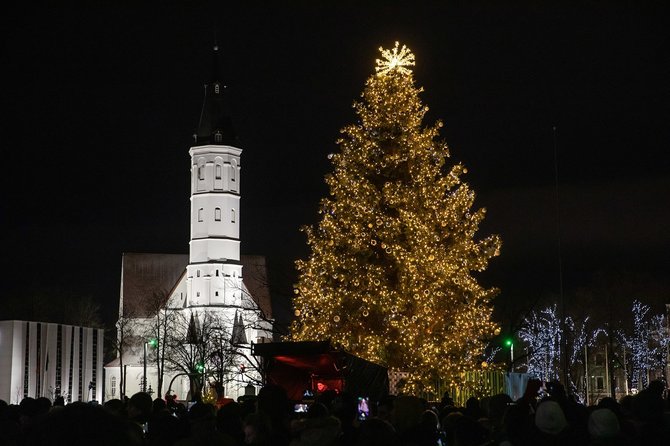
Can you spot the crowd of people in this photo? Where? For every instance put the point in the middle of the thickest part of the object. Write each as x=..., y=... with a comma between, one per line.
x=335, y=419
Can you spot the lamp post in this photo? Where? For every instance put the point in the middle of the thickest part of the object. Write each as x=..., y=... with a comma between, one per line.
x=154, y=343
x=510, y=343
x=144, y=373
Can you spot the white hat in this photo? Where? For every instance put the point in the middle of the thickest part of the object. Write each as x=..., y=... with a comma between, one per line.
x=603, y=423
x=549, y=418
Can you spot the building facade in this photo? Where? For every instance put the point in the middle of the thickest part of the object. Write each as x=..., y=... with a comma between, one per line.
x=214, y=292
x=39, y=359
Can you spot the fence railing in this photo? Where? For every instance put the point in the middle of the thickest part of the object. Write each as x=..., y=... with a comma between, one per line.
x=476, y=383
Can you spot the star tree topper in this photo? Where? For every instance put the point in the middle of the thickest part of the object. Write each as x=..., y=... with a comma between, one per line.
x=395, y=59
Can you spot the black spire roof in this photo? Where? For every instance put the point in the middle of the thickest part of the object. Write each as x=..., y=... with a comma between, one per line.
x=215, y=126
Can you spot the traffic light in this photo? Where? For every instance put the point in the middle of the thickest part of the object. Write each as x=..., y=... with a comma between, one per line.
x=153, y=342
x=200, y=367
x=508, y=342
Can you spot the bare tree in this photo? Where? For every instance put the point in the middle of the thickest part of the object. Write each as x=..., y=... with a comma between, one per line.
x=660, y=336
x=194, y=346
x=161, y=321
x=84, y=312
x=121, y=342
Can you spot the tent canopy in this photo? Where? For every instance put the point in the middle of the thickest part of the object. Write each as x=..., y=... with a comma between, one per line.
x=317, y=366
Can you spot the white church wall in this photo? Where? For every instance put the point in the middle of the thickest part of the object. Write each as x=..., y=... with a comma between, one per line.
x=178, y=297
x=208, y=250
x=216, y=215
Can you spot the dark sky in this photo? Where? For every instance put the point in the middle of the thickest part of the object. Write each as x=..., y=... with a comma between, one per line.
x=99, y=103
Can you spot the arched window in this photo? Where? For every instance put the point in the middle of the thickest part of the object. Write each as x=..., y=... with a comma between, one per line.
x=218, y=137
x=232, y=215
x=217, y=214
x=218, y=171
x=198, y=273
x=217, y=88
x=201, y=172
x=217, y=275
x=233, y=170
x=200, y=214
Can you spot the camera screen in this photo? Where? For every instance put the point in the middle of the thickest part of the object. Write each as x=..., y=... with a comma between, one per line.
x=363, y=408
x=300, y=408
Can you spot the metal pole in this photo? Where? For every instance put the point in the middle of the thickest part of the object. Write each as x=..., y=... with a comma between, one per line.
x=607, y=368
x=564, y=344
x=511, y=356
x=144, y=374
x=586, y=372
x=625, y=371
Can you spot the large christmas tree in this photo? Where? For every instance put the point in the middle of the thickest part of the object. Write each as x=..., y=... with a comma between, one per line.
x=389, y=274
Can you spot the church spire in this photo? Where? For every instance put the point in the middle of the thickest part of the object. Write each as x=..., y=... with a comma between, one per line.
x=215, y=126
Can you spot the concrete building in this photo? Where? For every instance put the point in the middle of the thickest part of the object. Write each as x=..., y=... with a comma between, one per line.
x=40, y=359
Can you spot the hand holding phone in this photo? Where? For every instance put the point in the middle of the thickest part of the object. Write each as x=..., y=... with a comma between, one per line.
x=363, y=408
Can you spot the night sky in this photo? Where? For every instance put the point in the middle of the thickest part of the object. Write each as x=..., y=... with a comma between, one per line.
x=99, y=103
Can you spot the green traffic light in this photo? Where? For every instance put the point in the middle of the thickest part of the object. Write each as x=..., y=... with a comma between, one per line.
x=153, y=342
x=508, y=342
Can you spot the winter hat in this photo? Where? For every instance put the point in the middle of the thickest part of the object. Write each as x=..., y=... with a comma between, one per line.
x=549, y=418
x=603, y=423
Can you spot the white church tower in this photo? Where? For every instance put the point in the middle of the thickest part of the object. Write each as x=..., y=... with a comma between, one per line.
x=205, y=287
x=214, y=273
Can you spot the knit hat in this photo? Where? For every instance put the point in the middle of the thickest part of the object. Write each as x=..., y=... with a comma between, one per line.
x=603, y=423
x=549, y=418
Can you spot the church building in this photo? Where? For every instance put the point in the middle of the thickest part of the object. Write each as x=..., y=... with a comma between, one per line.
x=192, y=319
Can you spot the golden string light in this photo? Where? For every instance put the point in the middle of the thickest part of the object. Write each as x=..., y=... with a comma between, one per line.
x=397, y=59
x=389, y=276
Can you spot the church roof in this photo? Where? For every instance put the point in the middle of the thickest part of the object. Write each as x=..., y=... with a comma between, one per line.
x=215, y=126
x=255, y=277
x=145, y=275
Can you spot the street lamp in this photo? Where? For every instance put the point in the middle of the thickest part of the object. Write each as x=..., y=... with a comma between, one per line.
x=152, y=342
x=144, y=373
x=510, y=343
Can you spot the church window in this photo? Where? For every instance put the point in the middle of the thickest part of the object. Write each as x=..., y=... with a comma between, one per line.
x=197, y=294
x=232, y=215
x=113, y=385
x=217, y=273
x=201, y=172
x=232, y=171
x=216, y=88
x=217, y=215
x=218, y=171
x=216, y=293
x=218, y=137
x=200, y=213
x=198, y=273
